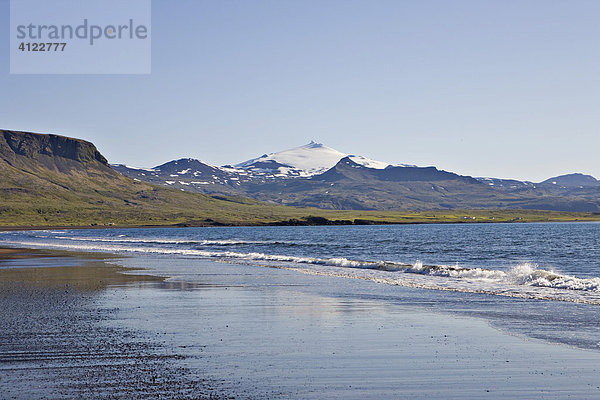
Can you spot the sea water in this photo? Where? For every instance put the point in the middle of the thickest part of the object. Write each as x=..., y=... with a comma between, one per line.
x=538, y=280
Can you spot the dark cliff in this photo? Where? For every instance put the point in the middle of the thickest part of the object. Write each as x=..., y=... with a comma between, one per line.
x=33, y=151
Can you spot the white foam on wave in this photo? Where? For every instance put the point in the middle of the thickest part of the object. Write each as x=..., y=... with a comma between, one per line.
x=523, y=280
x=529, y=274
x=223, y=242
x=526, y=274
x=465, y=286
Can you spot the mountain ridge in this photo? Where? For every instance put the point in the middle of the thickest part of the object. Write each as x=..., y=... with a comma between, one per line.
x=572, y=180
x=267, y=162
x=356, y=182
x=48, y=179
x=54, y=181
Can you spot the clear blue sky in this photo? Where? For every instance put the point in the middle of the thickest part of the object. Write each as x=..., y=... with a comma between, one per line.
x=504, y=88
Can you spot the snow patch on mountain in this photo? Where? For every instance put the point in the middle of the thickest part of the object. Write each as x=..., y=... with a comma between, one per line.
x=133, y=168
x=367, y=162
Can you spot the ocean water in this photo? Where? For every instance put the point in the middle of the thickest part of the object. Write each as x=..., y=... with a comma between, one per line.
x=537, y=280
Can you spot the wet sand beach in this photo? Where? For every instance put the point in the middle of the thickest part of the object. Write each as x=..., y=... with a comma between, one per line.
x=189, y=328
x=58, y=341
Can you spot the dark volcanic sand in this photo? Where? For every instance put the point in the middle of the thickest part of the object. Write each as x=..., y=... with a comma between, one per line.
x=78, y=328
x=56, y=342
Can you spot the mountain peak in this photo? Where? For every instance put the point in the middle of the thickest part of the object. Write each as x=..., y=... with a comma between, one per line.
x=314, y=145
x=311, y=159
x=572, y=180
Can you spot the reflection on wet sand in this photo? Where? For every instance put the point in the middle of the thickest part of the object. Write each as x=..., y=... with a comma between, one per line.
x=90, y=276
x=59, y=341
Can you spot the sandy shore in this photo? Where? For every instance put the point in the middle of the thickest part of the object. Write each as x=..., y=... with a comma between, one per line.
x=87, y=330
x=58, y=341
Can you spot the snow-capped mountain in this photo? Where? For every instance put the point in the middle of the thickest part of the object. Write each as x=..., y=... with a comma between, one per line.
x=304, y=161
x=311, y=159
x=300, y=162
x=315, y=175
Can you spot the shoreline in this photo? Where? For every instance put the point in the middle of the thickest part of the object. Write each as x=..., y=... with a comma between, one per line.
x=59, y=340
x=9, y=228
x=203, y=336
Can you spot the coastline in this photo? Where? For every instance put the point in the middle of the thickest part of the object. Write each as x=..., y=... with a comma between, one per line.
x=222, y=330
x=417, y=219
x=59, y=341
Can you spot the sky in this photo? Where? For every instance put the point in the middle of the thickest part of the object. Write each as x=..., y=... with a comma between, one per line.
x=500, y=88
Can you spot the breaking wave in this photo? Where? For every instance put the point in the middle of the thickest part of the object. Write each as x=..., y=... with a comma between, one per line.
x=518, y=281
x=224, y=242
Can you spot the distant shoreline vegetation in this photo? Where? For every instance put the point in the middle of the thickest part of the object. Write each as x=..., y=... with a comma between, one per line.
x=340, y=218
